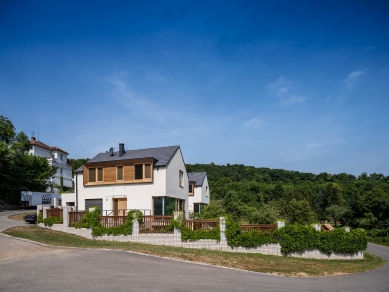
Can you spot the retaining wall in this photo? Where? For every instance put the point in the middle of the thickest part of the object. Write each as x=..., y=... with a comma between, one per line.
x=175, y=240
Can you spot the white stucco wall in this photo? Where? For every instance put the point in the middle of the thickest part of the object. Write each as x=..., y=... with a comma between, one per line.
x=201, y=195
x=173, y=188
x=139, y=195
x=39, y=151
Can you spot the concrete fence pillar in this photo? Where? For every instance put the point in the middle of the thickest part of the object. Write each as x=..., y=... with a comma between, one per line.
x=317, y=227
x=66, y=210
x=280, y=224
x=223, y=239
x=56, y=202
x=38, y=208
x=44, y=212
x=135, y=227
x=177, y=231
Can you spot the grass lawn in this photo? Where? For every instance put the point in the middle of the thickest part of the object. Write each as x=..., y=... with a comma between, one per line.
x=251, y=262
x=379, y=240
x=19, y=217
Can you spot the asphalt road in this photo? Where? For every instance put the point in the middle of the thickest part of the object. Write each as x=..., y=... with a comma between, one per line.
x=61, y=269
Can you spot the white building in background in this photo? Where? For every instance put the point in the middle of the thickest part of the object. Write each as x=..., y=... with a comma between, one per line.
x=198, y=191
x=56, y=157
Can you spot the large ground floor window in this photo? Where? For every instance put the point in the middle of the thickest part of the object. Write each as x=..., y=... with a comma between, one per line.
x=167, y=205
x=197, y=207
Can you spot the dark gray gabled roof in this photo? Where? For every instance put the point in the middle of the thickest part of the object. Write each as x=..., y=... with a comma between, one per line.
x=161, y=155
x=197, y=178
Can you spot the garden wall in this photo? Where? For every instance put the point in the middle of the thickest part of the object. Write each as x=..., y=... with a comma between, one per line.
x=175, y=240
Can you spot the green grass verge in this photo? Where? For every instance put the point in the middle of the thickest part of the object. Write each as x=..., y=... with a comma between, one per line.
x=379, y=240
x=251, y=262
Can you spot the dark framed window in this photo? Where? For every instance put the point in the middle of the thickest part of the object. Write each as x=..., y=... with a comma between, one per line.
x=119, y=172
x=100, y=174
x=92, y=174
x=138, y=171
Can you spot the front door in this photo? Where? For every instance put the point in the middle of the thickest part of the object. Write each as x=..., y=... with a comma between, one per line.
x=120, y=206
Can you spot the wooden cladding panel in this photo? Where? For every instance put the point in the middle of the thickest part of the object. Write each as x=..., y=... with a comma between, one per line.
x=109, y=171
x=86, y=175
x=129, y=172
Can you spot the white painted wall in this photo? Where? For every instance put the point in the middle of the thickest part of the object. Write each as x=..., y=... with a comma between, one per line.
x=201, y=195
x=139, y=195
x=39, y=151
x=173, y=188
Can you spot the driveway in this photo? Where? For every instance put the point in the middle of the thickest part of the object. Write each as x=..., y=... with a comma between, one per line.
x=64, y=269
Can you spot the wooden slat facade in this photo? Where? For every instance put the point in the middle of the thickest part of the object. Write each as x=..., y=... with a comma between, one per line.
x=110, y=169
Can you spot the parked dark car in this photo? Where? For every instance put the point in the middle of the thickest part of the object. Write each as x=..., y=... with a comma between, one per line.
x=30, y=218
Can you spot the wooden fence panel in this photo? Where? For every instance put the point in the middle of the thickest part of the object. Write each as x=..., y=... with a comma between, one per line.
x=258, y=227
x=155, y=224
x=75, y=217
x=201, y=224
x=112, y=221
x=54, y=212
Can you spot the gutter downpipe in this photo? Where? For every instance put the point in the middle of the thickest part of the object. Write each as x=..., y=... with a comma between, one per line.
x=76, y=192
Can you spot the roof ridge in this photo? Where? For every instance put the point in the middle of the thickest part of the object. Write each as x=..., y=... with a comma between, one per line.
x=143, y=149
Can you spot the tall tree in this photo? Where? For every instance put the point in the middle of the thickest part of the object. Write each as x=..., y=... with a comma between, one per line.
x=20, y=171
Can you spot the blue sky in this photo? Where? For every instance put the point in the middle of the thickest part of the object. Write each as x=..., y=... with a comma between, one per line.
x=280, y=84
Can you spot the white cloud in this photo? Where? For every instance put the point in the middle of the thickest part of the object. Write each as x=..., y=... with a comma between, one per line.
x=124, y=95
x=311, y=146
x=255, y=122
x=280, y=87
x=283, y=89
x=294, y=99
x=353, y=77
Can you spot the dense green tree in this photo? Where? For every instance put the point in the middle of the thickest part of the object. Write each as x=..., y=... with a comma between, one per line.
x=20, y=171
x=336, y=212
x=267, y=214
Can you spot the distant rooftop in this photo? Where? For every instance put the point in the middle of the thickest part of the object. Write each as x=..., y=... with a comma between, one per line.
x=197, y=178
x=35, y=142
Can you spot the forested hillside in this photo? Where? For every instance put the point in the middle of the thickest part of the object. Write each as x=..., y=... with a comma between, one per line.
x=262, y=195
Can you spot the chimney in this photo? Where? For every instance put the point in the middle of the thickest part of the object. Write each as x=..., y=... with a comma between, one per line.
x=33, y=140
x=121, y=149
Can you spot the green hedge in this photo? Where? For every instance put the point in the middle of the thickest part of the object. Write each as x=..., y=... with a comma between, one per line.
x=236, y=237
x=92, y=220
x=293, y=238
x=193, y=235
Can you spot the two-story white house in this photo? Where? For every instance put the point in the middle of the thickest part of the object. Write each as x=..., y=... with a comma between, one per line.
x=198, y=191
x=56, y=157
x=154, y=180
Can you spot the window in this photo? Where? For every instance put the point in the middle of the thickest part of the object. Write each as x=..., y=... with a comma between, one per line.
x=61, y=170
x=119, y=172
x=92, y=174
x=138, y=171
x=206, y=191
x=142, y=171
x=61, y=157
x=181, y=179
x=191, y=189
x=100, y=174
